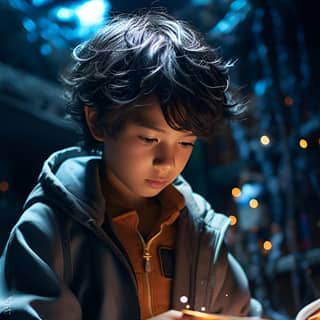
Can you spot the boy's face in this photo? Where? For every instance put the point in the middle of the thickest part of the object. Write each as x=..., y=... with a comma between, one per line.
x=147, y=154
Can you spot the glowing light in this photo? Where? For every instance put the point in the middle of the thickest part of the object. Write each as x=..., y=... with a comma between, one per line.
x=45, y=49
x=254, y=203
x=233, y=219
x=288, y=101
x=183, y=299
x=200, y=2
x=188, y=306
x=39, y=3
x=64, y=13
x=303, y=143
x=91, y=12
x=4, y=186
x=265, y=140
x=29, y=25
x=203, y=309
x=267, y=245
x=236, y=192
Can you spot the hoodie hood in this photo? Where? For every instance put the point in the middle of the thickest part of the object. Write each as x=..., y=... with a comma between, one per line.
x=70, y=180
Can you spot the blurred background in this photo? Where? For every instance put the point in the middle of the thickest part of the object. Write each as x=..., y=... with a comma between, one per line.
x=263, y=172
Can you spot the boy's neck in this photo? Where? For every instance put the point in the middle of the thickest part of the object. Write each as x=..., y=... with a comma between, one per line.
x=148, y=209
x=119, y=198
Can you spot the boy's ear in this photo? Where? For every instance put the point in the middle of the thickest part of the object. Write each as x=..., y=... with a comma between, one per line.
x=91, y=119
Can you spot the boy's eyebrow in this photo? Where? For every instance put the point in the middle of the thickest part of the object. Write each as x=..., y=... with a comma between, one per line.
x=148, y=125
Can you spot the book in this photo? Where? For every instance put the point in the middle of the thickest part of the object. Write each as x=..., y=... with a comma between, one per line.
x=310, y=311
x=197, y=315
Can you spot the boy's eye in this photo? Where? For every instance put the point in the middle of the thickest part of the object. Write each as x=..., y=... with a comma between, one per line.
x=147, y=140
x=187, y=144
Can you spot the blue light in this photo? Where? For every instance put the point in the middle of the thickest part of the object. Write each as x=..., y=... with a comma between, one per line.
x=249, y=191
x=261, y=87
x=239, y=10
x=238, y=5
x=91, y=12
x=64, y=14
x=29, y=25
x=45, y=49
x=200, y=2
x=222, y=27
x=32, y=37
x=18, y=4
x=38, y=3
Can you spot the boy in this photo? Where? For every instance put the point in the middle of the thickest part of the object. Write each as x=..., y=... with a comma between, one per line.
x=112, y=231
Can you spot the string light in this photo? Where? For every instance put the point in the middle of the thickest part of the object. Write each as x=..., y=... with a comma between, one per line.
x=267, y=245
x=288, y=101
x=254, y=203
x=265, y=140
x=236, y=192
x=303, y=143
x=233, y=220
x=4, y=186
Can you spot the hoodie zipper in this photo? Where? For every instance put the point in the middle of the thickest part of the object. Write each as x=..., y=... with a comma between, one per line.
x=147, y=265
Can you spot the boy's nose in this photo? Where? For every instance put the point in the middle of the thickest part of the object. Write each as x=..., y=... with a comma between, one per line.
x=164, y=161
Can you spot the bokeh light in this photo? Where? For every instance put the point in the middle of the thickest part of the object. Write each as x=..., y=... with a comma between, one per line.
x=303, y=143
x=265, y=140
x=233, y=220
x=236, y=192
x=254, y=203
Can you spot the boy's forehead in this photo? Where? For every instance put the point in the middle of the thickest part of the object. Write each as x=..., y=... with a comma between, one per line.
x=151, y=116
x=148, y=109
x=146, y=113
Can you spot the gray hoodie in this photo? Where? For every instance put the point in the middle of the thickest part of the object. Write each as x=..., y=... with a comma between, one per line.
x=59, y=263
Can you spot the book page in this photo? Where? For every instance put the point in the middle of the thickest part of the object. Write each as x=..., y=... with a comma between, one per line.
x=197, y=315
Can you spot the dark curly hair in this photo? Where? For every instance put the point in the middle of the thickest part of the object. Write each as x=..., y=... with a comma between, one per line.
x=137, y=56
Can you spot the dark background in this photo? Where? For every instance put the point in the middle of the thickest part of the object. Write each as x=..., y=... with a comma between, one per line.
x=276, y=47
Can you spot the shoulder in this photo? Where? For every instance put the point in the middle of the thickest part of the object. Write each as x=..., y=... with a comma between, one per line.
x=36, y=240
x=200, y=209
x=39, y=218
x=40, y=227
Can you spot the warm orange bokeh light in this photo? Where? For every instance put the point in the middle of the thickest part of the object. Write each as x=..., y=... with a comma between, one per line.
x=303, y=143
x=254, y=203
x=236, y=192
x=233, y=219
x=288, y=101
x=267, y=245
x=4, y=186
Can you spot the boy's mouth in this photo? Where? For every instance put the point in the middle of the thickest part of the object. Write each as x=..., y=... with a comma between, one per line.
x=156, y=184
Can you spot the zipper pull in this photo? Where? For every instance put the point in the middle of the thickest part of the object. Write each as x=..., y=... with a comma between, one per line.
x=147, y=257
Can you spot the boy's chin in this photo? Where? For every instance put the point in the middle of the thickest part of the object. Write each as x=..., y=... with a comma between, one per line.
x=150, y=193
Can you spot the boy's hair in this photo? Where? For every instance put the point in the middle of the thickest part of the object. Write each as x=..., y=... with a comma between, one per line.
x=151, y=54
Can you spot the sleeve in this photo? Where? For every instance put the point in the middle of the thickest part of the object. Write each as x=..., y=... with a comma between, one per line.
x=32, y=270
x=231, y=294
x=227, y=284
